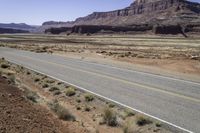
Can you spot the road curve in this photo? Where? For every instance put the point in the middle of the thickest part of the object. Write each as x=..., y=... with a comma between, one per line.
x=172, y=100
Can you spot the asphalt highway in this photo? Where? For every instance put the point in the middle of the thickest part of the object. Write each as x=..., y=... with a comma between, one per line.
x=171, y=100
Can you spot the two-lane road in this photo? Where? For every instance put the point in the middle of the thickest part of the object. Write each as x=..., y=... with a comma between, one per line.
x=172, y=100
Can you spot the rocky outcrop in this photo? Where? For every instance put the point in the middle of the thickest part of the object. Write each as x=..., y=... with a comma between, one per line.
x=166, y=13
x=59, y=30
x=92, y=29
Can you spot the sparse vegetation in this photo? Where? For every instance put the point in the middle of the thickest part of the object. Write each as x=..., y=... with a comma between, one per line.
x=78, y=108
x=141, y=121
x=70, y=91
x=12, y=79
x=128, y=127
x=129, y=113
x=36, y=79
x=61, y=112
x=56, y=92
x=28, y=73
x=89, y=97
x=59, y=83
x=110, y=117
x=53, y=89
x=4, y=66
x=32, y=96
x=78, y=100
x=158, y=124
x=45, y=86
x=111, y=105
x=87, y=108
x=50, y=81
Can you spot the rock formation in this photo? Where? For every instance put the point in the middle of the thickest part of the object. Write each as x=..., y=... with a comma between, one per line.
x=152, y=13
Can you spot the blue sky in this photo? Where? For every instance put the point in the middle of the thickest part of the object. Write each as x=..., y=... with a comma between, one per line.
x=38, y=11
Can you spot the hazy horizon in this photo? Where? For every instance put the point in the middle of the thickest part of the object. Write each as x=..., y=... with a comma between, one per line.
x=35, y=12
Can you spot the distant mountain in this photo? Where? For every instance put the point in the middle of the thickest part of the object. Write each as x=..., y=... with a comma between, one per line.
x=142, y=12
x=9, y=30
x=20, y=26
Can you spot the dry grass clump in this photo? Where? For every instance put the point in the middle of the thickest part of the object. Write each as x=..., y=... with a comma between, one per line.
x=129, y=113
x=36, y=80
x=141, y=121
x=89, y=97
x=32, y=96
x=128, y=127
x=110, y=117
x=53, y=89
x=56, y=92
x=78, y=100
x=111, y=105
x=61, y=111
x=12, y=79
x=87, y=109
x=70, y=92
x=45, y=86
x=158, y=124
x=5, y=66
x=28, y=73
x=50, y=81
x=59, y=83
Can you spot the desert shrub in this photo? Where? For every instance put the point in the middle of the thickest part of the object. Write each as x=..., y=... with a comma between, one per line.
x=89, y=97
x=111, y=105
x=36, y=79
x=110, y=117
x=45, y=86
x=32, y=96
x=141, y=121
x=158, y=124
x=70, y=92
x=12, y=79
x=50, y=81
x=129, y=113
x=87, y=109
x=59, y=83
x=53, y=89
x=56, y=92
x=61, y=112
x=21, y=67
x=78, y=100
x=28, y=73
x=78, y=108
x=44, y=77
x=4, y=66
x=128, y=127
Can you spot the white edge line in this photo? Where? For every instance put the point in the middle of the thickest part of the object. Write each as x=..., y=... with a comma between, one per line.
x=78, y=87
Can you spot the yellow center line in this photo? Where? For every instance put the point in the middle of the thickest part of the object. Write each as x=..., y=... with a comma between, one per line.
x=122, y=80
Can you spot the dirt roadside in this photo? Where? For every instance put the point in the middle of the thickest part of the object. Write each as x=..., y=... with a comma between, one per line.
x=19, y=115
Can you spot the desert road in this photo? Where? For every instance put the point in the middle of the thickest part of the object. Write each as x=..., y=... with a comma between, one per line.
x=174, y=101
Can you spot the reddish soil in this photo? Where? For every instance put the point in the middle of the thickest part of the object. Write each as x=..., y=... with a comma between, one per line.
x=19, y=115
